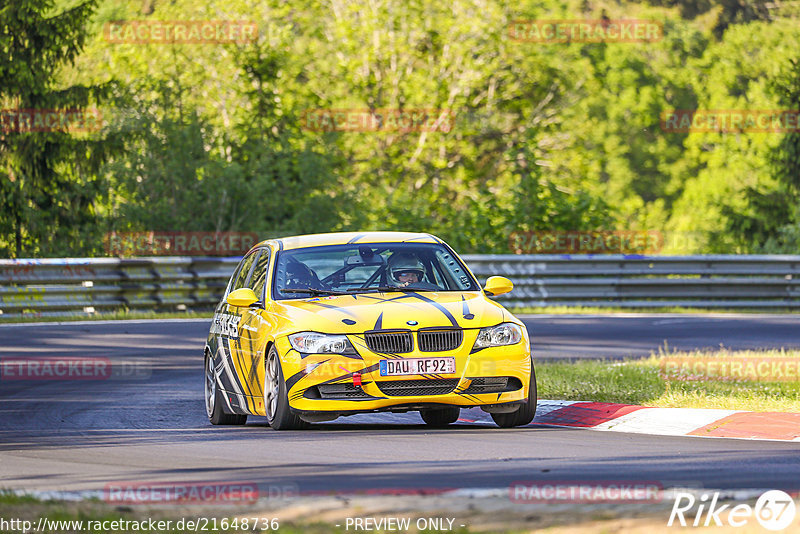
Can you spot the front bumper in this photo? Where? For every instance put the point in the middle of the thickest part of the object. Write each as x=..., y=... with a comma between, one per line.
x=311, y=378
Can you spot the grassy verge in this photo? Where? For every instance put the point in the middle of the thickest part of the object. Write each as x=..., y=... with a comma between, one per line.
x=645, y=382
x=120, y=315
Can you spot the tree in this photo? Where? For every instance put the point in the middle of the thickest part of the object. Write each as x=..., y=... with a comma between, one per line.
x=48, y=174
x=770, y=220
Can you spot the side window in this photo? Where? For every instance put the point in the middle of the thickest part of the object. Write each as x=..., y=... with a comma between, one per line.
x=244, y=271
x=259, y=277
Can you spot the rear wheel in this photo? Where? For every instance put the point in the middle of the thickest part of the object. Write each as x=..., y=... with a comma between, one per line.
x=440, y=417
x=276, y=399
x=524, y=414
x=215, y=401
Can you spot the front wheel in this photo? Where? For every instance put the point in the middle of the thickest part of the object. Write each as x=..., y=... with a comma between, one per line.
x=276, y=399
x=214, y=400
x=440, y=417
x=524, y=414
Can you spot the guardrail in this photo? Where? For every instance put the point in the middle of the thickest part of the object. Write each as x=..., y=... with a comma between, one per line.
x=714, y=281
x=85, y=285
x=94, y=285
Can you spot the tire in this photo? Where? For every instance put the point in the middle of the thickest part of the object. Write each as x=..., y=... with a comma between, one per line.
x=524, y=414
x=440, y=417
x=214, y=400
x=276, y=399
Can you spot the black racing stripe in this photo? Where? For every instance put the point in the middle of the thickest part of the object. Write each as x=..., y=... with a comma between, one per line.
x=331, y=307
x=240, y=358
x=253, y=374
x=379, y=322
x=379, y=299
x=356, y=238
x=465, y=309
x=386, y=299
x=304, y=355
x=300, y=392
x=228, y=352
x=294, y=379
x=438, y=307
x=349, y=375
x=471, y=397
x=400, y=297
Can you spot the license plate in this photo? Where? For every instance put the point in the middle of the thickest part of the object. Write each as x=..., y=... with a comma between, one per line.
x=418, y=366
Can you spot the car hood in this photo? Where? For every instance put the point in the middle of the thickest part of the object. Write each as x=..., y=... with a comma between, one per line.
x=352, y=314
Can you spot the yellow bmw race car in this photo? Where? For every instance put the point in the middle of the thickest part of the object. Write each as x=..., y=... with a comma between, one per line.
x=316, y=327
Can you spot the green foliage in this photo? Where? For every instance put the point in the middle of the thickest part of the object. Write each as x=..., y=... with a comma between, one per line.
x=559, y=136
x=49, y=182
x=770, y=215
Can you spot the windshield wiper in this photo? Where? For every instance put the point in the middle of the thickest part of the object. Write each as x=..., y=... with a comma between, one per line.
x=387, y=289
x=312, y=291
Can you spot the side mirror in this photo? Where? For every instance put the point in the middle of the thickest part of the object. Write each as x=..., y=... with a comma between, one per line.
x=497, y=285
x=243, y=297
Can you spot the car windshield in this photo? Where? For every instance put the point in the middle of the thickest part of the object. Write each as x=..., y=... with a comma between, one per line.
x=370, y=267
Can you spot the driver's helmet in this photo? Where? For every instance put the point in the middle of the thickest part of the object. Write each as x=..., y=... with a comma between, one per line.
x=298, y=275
x=404, y=263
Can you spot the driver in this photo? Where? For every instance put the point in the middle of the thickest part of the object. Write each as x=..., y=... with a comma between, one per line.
x=299, y=276
x=405, y=269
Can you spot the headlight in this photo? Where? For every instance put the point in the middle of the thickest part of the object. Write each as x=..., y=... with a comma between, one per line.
x=316, y=343
x=496, y=336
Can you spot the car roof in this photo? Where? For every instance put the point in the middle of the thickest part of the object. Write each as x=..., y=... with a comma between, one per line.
x=341, y=238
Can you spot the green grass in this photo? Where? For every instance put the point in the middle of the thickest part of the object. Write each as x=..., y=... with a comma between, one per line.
x=120, y=315
x=642, y=382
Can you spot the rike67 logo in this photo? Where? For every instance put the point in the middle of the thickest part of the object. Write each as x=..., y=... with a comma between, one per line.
x=774, y=510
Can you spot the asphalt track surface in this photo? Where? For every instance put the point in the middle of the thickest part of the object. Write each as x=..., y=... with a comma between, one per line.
x=83, y=435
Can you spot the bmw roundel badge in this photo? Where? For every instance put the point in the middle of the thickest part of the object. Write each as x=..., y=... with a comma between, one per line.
x=412, y=323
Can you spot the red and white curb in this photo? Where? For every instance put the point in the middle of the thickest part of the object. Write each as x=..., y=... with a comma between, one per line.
x=777, y=426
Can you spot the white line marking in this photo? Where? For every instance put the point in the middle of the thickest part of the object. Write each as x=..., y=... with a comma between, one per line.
x=665, y=421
